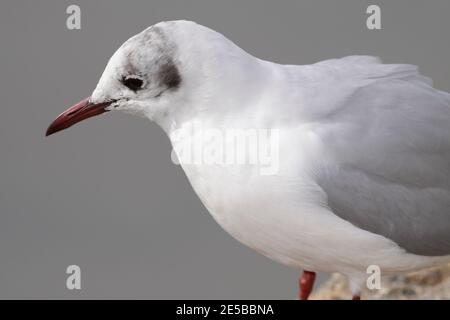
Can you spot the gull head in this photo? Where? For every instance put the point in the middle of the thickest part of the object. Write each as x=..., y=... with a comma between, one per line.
x=164, y=73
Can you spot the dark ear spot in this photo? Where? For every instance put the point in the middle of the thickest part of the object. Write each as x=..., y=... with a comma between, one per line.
x=169, y=75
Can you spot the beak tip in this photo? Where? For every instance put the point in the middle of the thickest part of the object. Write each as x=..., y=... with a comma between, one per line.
x=50, y=130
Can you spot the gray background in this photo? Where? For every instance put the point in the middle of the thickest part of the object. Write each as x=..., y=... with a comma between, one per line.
x=104, y=195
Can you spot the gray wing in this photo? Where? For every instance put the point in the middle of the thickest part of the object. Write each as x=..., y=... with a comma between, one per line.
x=387, y=146
x=418, y=220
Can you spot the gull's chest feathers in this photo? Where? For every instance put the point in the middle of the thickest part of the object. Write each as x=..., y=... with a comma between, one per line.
x=273, y=214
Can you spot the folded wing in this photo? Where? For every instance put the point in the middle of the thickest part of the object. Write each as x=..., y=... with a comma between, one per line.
x=386, y=137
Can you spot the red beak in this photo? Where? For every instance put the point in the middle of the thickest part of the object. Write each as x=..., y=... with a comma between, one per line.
x=82, y=110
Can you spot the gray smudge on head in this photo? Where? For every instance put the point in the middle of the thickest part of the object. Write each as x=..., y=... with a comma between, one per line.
x=155, y=64
x=169, y=75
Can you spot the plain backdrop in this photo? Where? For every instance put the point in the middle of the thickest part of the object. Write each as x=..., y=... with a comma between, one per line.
x=104, y=195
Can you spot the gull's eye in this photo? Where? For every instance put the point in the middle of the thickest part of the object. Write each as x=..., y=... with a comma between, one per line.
x=131, y=83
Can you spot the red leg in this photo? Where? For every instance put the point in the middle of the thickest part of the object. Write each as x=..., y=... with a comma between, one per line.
x=306, y=284
x=356, y=297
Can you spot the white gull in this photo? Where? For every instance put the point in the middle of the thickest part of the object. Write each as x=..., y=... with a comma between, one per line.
x=364, y=148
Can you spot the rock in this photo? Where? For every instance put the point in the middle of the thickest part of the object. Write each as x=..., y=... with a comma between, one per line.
x=429, y=284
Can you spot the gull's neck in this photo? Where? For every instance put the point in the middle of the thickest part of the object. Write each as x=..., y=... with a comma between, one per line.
x=238, y=92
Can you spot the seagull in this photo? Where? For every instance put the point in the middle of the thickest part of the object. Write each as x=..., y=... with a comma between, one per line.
x=363, y=148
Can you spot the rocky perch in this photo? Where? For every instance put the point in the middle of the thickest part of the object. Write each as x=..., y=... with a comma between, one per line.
x=427, y=284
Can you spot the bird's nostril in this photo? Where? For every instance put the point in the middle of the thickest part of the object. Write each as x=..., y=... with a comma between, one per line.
x=71, y=112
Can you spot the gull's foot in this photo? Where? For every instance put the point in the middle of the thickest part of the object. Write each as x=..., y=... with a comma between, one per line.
x=306, y=284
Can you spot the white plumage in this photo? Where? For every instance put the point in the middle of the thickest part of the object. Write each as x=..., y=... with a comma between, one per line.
x=364, y=149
